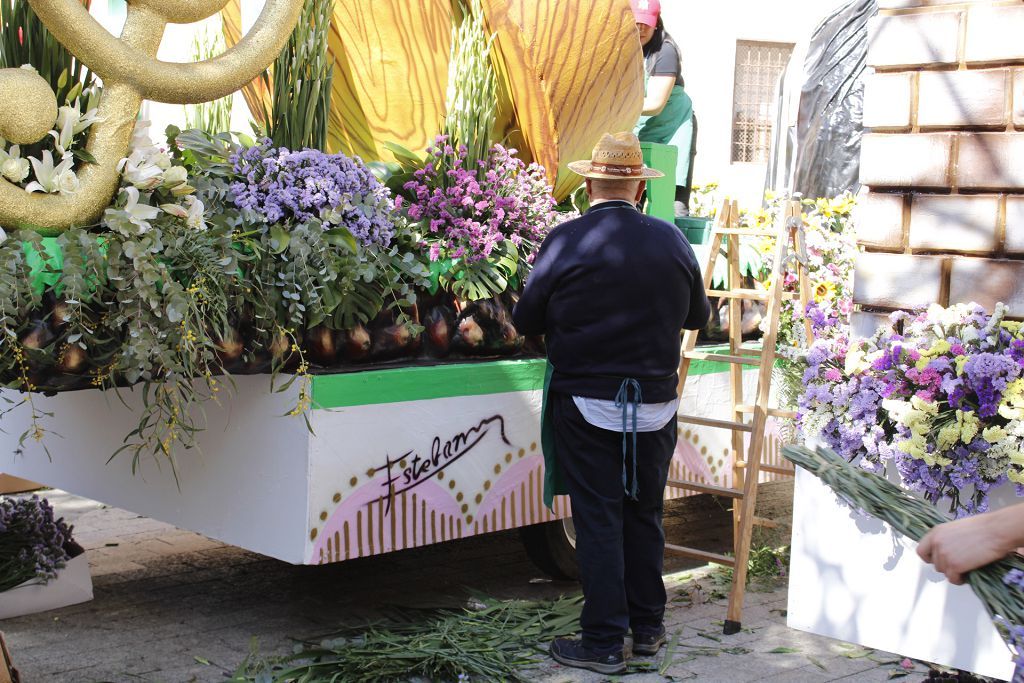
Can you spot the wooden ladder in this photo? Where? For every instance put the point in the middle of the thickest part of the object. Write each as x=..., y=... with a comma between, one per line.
x=789, y=249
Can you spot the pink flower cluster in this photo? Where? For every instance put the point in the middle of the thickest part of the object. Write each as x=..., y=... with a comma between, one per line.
x=467, y=212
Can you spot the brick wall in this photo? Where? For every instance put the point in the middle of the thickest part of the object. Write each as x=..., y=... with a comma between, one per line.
x=942, y=216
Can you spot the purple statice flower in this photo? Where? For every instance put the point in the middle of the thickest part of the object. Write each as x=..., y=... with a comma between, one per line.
x=468, y=212
x=34, y=544
x=278, y=186
x=987, y=374
x=1015, y=578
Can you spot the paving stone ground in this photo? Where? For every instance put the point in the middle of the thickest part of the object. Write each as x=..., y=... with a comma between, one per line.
x=172, y=606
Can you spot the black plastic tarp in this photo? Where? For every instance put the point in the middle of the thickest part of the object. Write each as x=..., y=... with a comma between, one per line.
x=829, y=123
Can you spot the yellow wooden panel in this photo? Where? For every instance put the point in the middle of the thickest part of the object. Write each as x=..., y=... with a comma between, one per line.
x=255, y=94
x=390, y=75
x=574, y=70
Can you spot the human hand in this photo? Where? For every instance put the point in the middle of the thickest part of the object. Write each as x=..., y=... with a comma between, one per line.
x=958, y=547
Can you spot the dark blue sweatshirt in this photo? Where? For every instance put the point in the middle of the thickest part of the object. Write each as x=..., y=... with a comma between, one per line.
x=612, y=291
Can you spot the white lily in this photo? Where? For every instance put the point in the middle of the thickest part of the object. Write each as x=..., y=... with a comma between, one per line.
x=139, y=214
x=174, y=176
x=48, y=176
x=194, y=215
x=140, y=172
x=71, y=122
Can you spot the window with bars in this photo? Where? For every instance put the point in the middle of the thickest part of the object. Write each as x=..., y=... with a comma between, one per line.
x=758, y=67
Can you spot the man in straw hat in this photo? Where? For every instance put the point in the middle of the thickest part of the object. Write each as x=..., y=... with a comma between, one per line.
x=612, y=291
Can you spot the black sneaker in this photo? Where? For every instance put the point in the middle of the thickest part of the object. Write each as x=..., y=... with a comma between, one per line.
x=571, y=652
x=647, y=643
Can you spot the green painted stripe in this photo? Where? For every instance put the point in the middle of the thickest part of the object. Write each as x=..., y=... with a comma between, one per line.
x=416, y=383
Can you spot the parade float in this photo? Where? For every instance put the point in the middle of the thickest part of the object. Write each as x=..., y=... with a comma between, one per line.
x=298, y=341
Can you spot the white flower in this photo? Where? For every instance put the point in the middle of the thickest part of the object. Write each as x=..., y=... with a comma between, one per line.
x=71, y=122
x=48, y=176
x=67, y=182
x=194, y=215
x=3, y=236
x=15, y=170
x=174, y=176
x=12, y=166
x=139, y=214
x=29, y=67
x=140, y=172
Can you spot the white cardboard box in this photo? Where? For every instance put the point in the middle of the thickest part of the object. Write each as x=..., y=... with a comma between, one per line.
x=852, y=577
x=72, y=586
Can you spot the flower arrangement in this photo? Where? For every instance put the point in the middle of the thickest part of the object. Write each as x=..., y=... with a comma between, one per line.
x=480, y=226
x=33, y=545
x=277, y=186
x=940, y=396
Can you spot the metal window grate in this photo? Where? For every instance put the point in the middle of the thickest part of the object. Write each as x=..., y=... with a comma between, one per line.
x=758, y=67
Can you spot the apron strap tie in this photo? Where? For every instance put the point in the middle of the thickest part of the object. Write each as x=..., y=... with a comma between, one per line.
x=623, y=400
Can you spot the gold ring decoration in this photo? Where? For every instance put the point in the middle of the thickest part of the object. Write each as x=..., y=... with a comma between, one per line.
x=130, y=73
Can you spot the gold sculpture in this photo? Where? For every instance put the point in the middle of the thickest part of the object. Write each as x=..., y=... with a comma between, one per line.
x=130, y=73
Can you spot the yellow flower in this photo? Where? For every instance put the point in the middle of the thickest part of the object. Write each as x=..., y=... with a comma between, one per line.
x=824, y=291
x=969, y=425
x=1011, y=326
x=993, y=434
x=940, y=347
x=948, y=436
x=927, y=407
x=960, y=362
x=1016, y=477
x=855, y=361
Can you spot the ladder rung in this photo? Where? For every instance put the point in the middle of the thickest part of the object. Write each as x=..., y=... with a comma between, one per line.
x=740, y=464
x=710, y=422
x=721, y=358
x=773, y=412
x=705, y=488
x=750, y=294
x=701, y=555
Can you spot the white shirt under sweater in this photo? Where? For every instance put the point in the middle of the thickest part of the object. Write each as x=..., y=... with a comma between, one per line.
x=650, y=417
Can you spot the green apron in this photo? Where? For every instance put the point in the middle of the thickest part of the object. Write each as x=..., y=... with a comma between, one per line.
x=673, y=126
x=554, y=484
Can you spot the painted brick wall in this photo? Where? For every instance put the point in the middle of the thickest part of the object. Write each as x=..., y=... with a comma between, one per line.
x=942, y=215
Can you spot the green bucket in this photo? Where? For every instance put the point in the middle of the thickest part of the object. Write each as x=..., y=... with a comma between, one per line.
x=696, y=229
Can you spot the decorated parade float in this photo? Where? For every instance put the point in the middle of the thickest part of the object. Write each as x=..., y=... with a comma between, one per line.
x=297, y=339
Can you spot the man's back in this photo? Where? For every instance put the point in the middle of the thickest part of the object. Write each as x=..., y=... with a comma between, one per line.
x=612, y=291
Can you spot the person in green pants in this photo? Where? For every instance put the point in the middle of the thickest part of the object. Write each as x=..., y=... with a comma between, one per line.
x=667, y=117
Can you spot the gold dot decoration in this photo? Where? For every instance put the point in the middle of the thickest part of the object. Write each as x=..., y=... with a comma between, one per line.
x=469, y=519
x=459, y=496
x=497, y=468
x=353, y=481
x=403, y=464
x=451, y=484
x=337, y=498
x=323, y=516
x=508, y=457
x=522, y=452
x=465, y=508
x=440, y=475
x=479, y=498
x=533, y=446
x=487, y=485
x=370, y=472
x=312, y=534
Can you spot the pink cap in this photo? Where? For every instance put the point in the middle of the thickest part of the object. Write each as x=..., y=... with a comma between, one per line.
x=646, y=11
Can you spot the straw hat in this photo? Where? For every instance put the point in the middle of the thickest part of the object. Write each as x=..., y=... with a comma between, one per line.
x=616, y=157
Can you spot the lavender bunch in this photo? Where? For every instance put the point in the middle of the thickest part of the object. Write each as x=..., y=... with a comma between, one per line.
x=278, y=186
x=33, y=545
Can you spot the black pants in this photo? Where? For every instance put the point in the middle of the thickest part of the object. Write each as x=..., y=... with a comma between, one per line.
x=620, y=543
